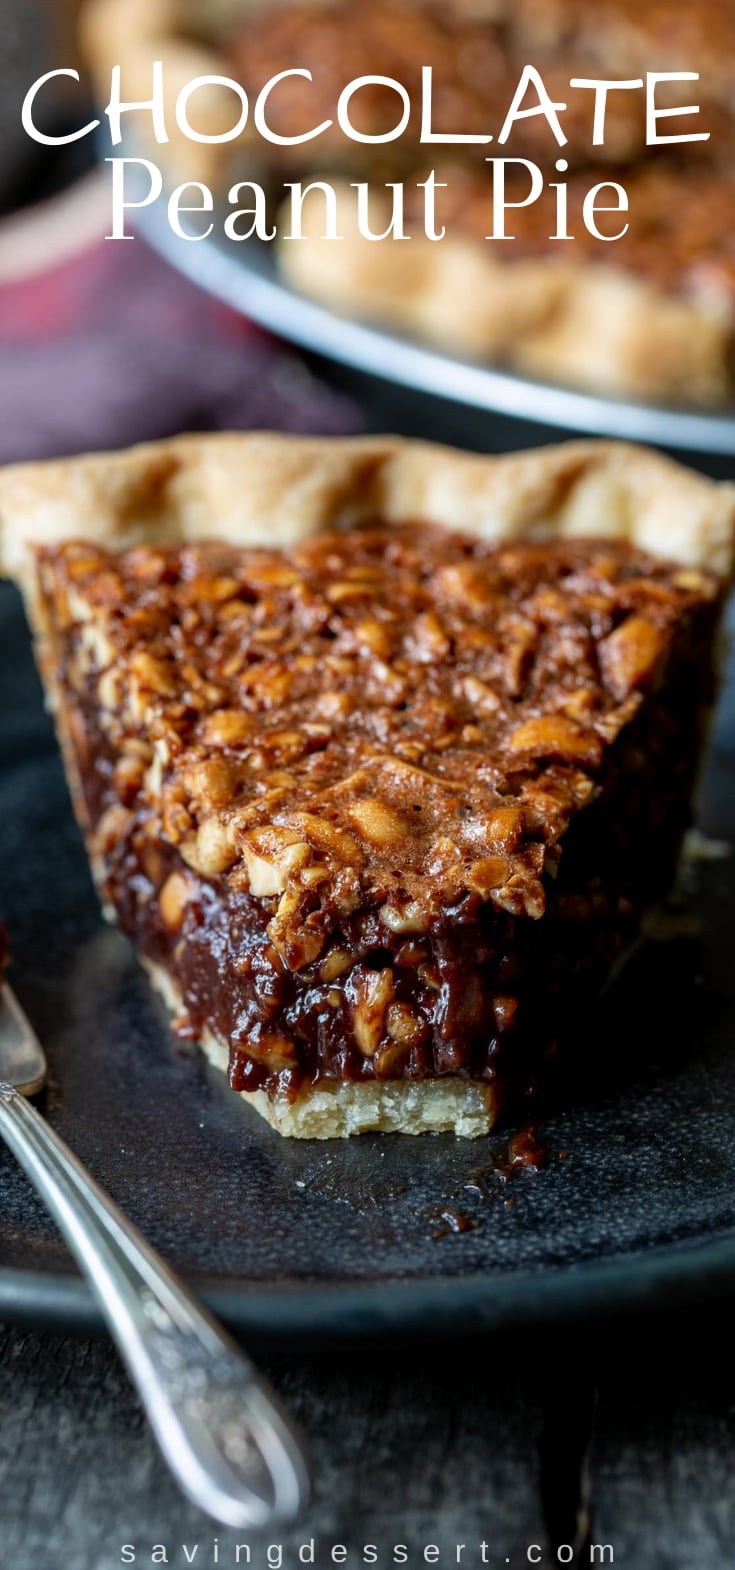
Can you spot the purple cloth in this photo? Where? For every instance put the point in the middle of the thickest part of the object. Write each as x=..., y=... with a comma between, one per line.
x=115, y=347
x=105, y=390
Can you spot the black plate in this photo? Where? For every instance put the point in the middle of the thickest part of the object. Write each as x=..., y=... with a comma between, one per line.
x=318, y=1239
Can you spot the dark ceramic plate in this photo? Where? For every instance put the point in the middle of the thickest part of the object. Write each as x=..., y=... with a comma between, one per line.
x=635, y=1205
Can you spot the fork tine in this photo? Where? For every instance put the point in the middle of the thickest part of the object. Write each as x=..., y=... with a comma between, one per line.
x=22, y=1058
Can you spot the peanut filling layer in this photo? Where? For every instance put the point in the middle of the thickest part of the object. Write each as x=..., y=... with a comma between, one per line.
x=381, y=803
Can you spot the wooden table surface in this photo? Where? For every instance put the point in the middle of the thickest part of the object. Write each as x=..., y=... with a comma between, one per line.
x=620, y=1435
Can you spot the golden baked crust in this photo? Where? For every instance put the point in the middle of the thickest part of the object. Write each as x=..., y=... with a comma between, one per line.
x=475, y=47
x=277, y=490
x=264, y=488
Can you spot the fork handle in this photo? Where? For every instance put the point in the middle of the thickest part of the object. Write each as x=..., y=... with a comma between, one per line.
x=232, y=1450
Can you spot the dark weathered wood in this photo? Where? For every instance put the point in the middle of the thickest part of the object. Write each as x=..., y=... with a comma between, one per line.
x=430, y=1448
x=663, y=1458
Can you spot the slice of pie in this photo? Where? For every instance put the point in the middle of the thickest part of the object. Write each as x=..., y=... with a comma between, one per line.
x=649, y=317
x=383, y=753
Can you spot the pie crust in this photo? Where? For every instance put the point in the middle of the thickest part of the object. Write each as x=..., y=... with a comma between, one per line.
x=275, y=491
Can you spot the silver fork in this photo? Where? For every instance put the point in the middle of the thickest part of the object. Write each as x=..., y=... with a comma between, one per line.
x=229, y=1445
